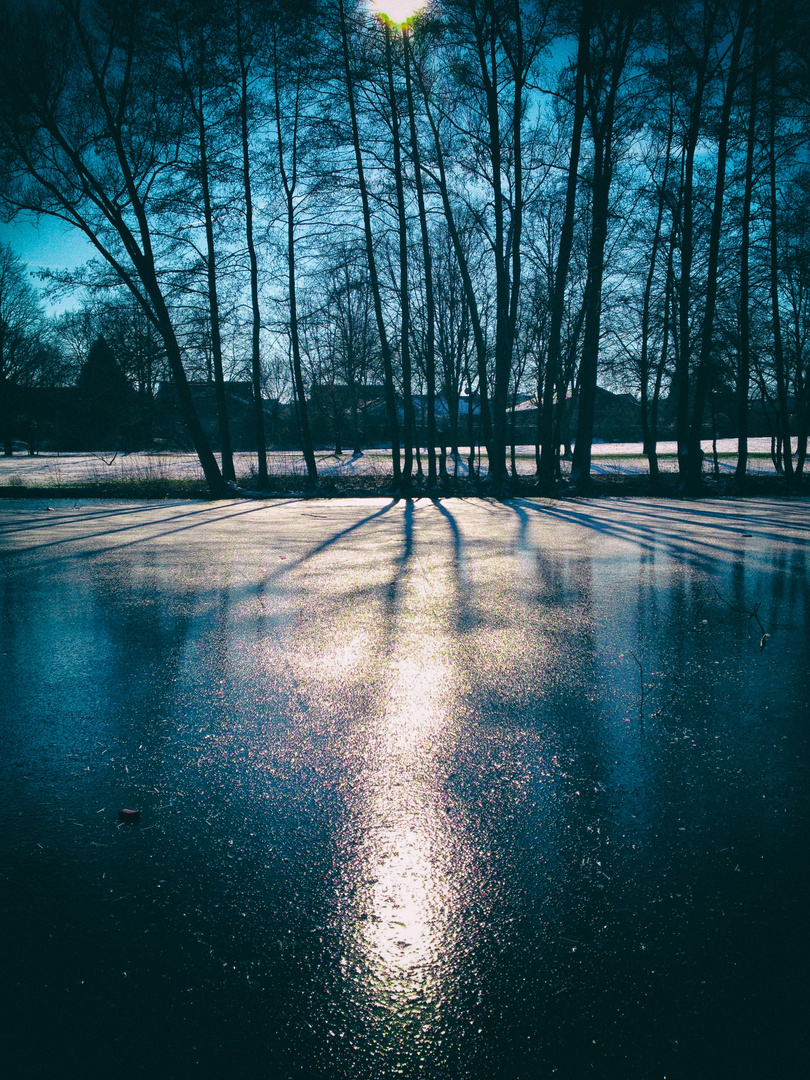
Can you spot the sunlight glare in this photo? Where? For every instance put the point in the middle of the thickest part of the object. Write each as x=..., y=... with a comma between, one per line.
x=409, y=898
x=398, y=11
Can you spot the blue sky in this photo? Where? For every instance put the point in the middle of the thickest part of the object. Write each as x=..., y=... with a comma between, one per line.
x=46, y=245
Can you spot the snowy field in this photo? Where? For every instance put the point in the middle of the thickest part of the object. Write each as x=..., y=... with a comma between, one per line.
x=52, y=469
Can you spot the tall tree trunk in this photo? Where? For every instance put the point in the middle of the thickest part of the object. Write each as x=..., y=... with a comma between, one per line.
x=211, y=471
x=289, y=182
x=647, y=414
x=154, y=306
x=430, y=332
x=295, y=341
x=548, y=453
x=470, y=423
x=385, y=348
x=783, y=421
x=195, y=90
x=602, y=176
x=409, y=425
x=440, y=179
x=517, y=61
x=512, y=425
x=651, y=426
x=506, y=287
x=744, y=355
x=684, y=355
x=255, y=356
x=213, y=297
x=705, y=366
x=588, y=366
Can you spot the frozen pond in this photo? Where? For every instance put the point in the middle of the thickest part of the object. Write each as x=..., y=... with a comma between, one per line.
x=404, y=810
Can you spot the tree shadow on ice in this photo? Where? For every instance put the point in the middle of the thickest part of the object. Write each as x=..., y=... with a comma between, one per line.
x=465, y=619
x=702, y=547
x=207, y=515
x=741, y=516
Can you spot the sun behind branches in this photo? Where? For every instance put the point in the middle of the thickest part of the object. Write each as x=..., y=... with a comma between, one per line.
x=398, y=11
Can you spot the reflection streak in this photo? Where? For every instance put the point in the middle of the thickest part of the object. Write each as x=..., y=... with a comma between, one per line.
x=407, y=839
x=412, y=869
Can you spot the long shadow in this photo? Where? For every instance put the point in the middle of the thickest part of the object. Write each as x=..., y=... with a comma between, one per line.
x=465, y=619
x=649, y=536
x=325, y=544
x=566, y=838
x=732, y=519
x=646, y=538
x=280, y=570
x=555, y=589
x=46, y=519
x=456, y=533
x=252, y=508
x=394, y=590
x=235, y=593
x=740, y=518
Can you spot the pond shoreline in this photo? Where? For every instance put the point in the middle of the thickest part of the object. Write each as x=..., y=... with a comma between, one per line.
x=352, y=487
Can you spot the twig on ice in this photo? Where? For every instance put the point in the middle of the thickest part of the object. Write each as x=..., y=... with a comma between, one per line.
x=752, y=614
x=666, y=705
x=641, y=680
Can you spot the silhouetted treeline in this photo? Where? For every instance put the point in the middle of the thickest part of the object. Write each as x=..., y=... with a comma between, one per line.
x=500, y=203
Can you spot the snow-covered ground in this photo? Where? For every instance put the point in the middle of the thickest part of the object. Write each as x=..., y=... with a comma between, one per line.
x=58, y=469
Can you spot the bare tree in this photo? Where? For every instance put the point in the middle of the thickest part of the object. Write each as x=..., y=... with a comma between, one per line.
x=291, y=114
x=87, y=135
x=605, y=64
x=245, y=59
x=704, y=372
x=202, y=82
x=374, y=277
x=21, y=325
x=548, y=449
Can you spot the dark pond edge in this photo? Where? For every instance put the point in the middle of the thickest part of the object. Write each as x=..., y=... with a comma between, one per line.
x=285, y=487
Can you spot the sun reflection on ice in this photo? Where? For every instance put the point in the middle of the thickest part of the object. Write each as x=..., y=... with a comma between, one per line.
x=403, y=928
x=413, y=886
x=415, y=715
x=408, y=840
x=341, y=657
x=412, y=863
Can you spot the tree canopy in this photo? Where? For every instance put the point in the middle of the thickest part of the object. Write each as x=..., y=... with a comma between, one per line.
x=497, y=201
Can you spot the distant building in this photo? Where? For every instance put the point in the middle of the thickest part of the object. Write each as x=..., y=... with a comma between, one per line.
x=341, y=416
x=170, y=427
x=45, y=417
x=617, y=418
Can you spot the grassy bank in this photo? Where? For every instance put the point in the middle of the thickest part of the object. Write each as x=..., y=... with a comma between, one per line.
x=354, y=486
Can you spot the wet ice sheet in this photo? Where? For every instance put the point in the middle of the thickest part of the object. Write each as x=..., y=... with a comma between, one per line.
x=405, y=811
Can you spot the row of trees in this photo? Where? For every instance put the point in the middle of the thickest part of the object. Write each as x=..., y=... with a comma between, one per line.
x=29, y=353
x=39, y=352
x=498, y=197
